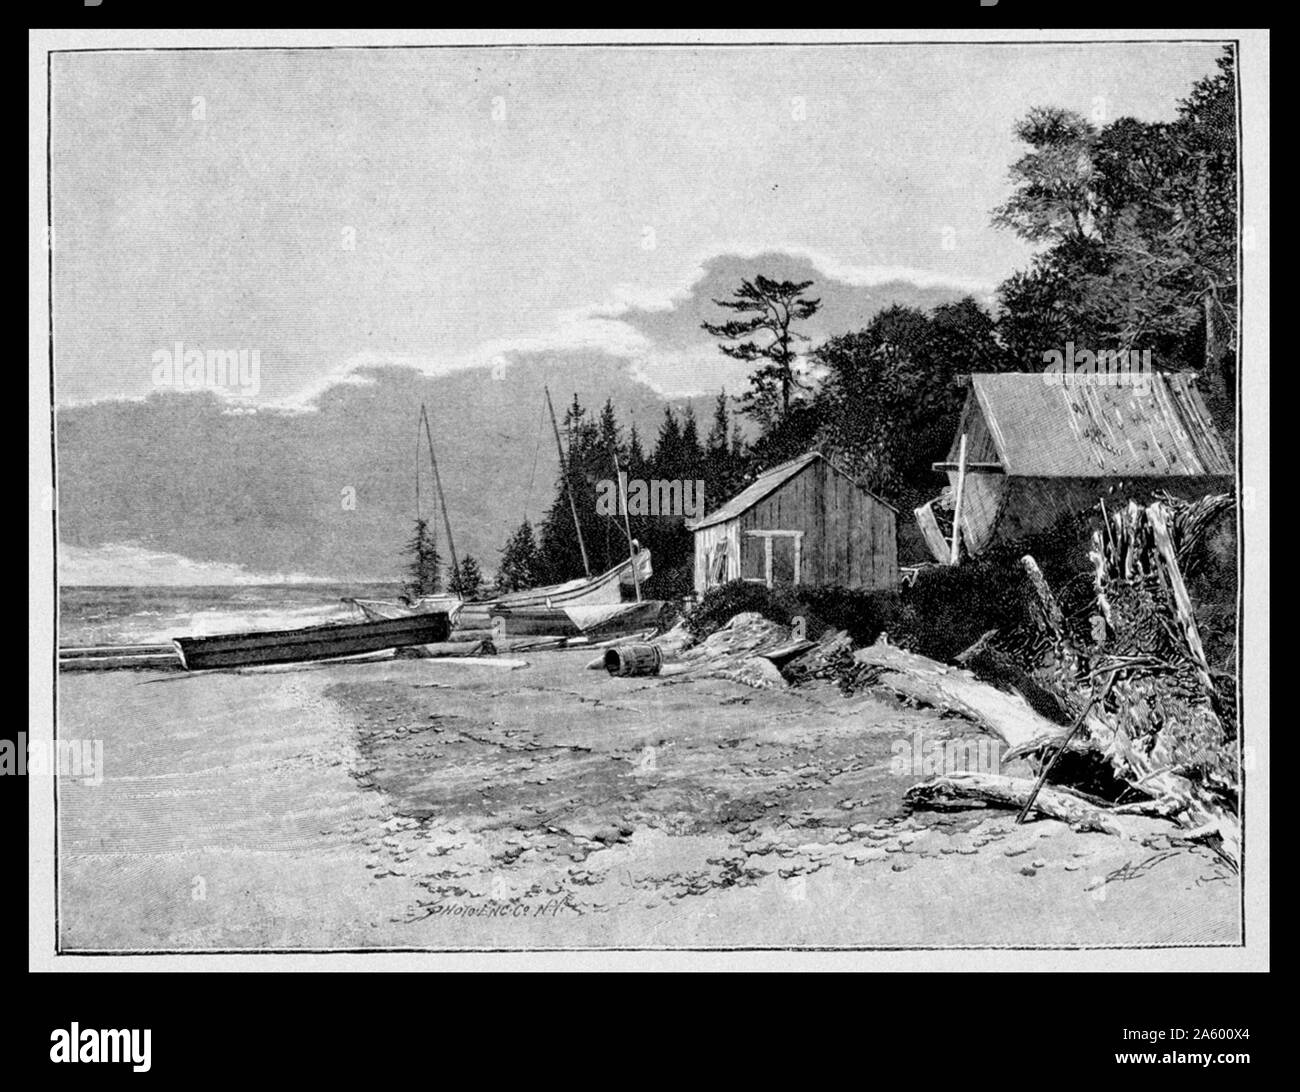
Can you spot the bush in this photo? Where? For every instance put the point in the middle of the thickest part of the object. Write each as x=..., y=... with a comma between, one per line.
x=719, y=605
x=949, y=608
x=944, y=612
x=671, y=584
x=863, y=614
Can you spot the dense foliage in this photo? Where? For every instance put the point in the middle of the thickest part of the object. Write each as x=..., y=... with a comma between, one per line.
x=1136, y=229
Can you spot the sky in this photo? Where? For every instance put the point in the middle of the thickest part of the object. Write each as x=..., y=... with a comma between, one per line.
x=341, y=209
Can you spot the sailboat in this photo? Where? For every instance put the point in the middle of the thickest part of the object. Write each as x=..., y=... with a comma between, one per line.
x=587, y=604
x=605, y=590
x=583, y=594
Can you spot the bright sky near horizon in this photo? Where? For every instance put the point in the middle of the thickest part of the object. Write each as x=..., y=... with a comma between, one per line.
x=452, y=207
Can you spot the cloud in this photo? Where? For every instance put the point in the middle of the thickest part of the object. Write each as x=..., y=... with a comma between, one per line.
x=873, y=276
x=850, y=295
x=683, y=372
x=154, y=491
x=578, y=331
x=656, y=328
x=349, y=374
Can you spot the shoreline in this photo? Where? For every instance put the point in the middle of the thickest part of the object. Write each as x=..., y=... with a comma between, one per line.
x=444, y=806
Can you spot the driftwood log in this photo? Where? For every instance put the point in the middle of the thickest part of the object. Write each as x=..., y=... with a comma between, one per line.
x=1158, y=753
x=1149, y=752
x=960, y=790
x=1164, y=739
x=1007, y=716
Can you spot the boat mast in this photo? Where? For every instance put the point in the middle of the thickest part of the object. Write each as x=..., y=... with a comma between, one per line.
x=437, y=481
x=568, y=485
x=627, y=524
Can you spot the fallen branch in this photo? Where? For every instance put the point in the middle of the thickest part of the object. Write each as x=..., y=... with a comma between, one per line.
x=1054, y=801
x=1047, y=766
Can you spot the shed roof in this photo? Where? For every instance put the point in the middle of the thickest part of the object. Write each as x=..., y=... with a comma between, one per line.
x=768, y=482
x=1092, y=427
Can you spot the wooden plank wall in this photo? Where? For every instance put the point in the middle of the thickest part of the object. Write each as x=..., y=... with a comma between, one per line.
x=850, y=537
x=1034, y=504
x=704, y=543
x=984, y=495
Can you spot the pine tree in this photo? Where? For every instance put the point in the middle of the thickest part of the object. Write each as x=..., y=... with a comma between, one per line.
x=717, y=440
x=772, y=308
x=670, y=543
x=610, y=439
x=691, y=452
x=636, y=467
x=560, y=557
x=424, y=563
x=667, y=456
x=520, y=563
x=722, y=456
x=466, y=578
x=737, y=443
x=738, y=463
x=635, y=454
x=608, y=453
x=583, y=436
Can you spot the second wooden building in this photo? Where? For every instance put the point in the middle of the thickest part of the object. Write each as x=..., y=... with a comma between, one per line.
x=803, y=522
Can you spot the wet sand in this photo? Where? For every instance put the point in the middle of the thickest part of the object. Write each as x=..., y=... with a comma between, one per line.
x=436, y=805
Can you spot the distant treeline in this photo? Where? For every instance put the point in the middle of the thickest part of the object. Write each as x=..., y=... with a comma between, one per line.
x=594, y=444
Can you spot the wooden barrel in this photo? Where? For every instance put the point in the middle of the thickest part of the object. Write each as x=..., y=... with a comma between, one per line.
x=634, y=660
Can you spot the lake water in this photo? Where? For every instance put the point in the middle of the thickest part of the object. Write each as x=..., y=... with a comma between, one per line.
x=154, y=615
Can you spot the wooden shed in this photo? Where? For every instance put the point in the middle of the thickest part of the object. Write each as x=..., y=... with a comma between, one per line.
x=803, y=522
x=1031, y=447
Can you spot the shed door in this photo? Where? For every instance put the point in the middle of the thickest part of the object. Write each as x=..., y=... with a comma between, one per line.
x=753, y=558
x=771, y=557
x=784, y=566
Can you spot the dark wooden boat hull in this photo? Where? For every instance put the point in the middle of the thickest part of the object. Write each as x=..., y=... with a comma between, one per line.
x=118, y=657
x=326, y=642
x=534, y=621
x=572, y=621
x=149, y=661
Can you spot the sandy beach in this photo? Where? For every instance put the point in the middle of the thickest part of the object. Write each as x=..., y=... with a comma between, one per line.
x=438, y=805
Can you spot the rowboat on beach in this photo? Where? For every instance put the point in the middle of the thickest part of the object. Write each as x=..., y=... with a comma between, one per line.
x=118, y=657
x=606, y=590
x=323, y=642
x=588, y=620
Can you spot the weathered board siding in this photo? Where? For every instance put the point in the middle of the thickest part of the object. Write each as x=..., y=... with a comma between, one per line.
x=1010, y=507
x=849, y=536
x=984, y=495
x=1035, y=504
x=706, y=539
